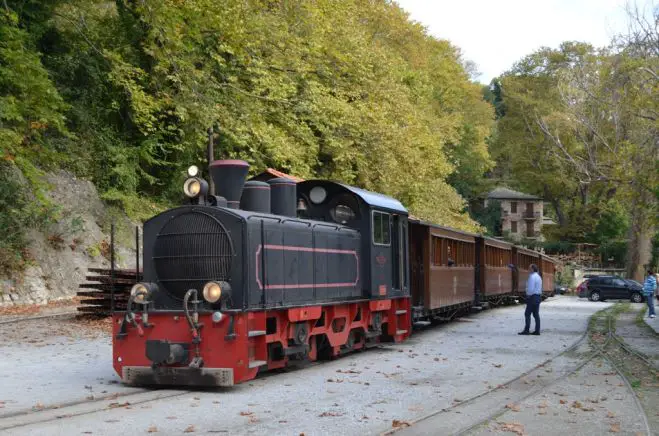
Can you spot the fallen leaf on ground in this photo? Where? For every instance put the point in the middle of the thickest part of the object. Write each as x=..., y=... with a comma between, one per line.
x=576, y=405
x=398, y=424
x=513, y=427
x=563, y=401
x=189, y=429
x=513, y=407
x=324, y=414
x=152, y=429
x=610, y=414
x=615, y=428
x=246, y=413
x=497, y=365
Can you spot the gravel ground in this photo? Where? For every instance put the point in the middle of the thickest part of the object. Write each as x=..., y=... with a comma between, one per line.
x=47, y=362
x=652, y=322
x=638, y=337
x=593, y=401
x=362, y=393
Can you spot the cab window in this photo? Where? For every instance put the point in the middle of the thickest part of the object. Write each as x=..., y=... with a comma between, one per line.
x=381, y=228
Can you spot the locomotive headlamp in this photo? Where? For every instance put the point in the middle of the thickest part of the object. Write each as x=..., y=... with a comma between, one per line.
x=192, y=187
x=212, y=292
x=140, y=293
x=193, y=171
x=195, y=187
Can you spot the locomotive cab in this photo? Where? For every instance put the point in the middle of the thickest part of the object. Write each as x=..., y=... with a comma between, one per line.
x=382, y=222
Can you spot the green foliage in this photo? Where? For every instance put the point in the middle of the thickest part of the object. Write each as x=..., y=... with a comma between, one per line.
x=565, y=276
x=137, y=208
x=613, y=252
x=12, y=239
x=489, y=217
x=350, y=91
x=654, y=262
x=123, y=93
x=577, y=126
x=30, y=106
x=20, y=212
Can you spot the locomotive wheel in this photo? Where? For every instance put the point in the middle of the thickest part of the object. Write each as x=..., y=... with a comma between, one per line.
x=323, y=348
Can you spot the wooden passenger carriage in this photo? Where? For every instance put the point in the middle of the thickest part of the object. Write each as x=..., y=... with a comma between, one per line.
x=495, y=271
x=442, y=270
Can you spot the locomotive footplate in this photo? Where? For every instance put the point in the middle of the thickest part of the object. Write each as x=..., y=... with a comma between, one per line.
x=167, y=375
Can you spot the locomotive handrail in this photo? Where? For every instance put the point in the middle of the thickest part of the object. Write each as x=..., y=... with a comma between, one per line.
x=296, y=221
x=263, y=218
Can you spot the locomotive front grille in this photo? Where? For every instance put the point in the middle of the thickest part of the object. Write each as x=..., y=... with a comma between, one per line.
x=192, y=249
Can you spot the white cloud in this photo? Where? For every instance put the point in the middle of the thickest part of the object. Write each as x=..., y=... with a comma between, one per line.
x=497, y=34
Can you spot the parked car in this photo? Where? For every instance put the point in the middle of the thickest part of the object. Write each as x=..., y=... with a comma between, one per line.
x=560, y=289
x=607, y=287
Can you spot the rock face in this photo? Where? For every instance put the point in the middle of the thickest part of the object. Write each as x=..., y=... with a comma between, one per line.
x=62, y=253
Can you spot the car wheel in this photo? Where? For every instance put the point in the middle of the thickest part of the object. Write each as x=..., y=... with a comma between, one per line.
x=636, y=298
x=595, y=296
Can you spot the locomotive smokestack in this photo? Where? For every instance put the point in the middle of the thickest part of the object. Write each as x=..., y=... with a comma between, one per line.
x=229, y=178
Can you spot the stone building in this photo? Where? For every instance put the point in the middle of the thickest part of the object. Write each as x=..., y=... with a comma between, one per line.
x=521, y=214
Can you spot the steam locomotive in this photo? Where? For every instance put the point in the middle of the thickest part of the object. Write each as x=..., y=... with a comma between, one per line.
x=260, y=274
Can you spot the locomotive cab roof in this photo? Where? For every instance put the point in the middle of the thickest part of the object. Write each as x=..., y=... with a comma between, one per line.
x=324, y=191
x=325, y=200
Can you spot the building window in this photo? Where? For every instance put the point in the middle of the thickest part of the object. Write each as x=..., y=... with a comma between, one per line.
x=381, y=228
x=513, y=207
x=513, y=227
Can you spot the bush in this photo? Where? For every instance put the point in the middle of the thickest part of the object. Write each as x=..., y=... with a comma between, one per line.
x=14, y=204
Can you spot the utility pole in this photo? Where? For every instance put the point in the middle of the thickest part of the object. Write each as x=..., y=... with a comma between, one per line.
x=211, y=154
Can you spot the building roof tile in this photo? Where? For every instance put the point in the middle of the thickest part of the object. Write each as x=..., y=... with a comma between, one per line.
x=509, y=194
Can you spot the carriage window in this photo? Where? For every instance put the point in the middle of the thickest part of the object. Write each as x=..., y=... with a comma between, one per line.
x=436, y=250
x=381, y=228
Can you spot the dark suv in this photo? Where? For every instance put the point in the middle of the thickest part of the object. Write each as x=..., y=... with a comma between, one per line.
x=601, y=288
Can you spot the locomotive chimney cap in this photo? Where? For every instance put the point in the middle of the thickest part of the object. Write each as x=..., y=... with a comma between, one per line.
x=229, y=162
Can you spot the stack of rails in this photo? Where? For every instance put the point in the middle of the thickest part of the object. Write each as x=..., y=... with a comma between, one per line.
x=97, y=292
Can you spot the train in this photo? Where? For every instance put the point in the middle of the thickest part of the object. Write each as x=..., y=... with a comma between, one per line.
x=250, y=276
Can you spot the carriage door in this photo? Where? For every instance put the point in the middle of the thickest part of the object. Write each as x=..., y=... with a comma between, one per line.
x=399, y=253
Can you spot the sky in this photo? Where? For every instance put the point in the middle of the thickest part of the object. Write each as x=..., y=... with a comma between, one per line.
x=496, y=34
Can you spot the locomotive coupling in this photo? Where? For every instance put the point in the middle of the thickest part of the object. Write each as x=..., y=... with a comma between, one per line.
x=165, y=352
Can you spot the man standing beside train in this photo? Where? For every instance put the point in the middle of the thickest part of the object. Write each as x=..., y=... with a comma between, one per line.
x=533, y=298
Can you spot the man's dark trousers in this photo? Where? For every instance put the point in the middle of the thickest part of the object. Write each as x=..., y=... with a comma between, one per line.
x=532, y=307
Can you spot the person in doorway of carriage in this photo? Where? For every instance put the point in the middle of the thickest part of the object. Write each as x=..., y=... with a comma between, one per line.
x=533, y=298
x=649, y=287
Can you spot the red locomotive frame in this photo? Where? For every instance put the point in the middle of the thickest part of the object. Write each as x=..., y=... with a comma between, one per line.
x=235, y=350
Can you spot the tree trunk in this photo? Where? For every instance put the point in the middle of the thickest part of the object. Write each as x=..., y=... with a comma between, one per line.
x=641, y=231
x=557, y=207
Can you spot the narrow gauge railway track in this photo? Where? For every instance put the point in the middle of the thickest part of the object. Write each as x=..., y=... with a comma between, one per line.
x=596, y=339
x=15, y=319
x=630, y=350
